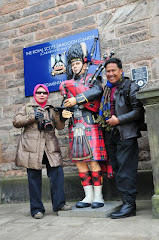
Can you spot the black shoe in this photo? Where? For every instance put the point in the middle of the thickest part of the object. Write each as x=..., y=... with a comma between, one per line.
x=82, y=205
x=127, y=210
x=97, y=205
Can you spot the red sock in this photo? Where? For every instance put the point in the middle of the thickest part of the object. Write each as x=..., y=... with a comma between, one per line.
x=86, y=178
x=97, y=178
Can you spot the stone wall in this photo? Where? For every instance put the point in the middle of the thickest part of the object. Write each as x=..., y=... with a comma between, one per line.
x=129, y=27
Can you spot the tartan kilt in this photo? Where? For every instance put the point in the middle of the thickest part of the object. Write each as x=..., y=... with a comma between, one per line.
x=95, y=139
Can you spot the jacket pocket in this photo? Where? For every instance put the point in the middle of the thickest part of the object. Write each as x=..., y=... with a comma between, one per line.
x=52, y=145
x=30, y=142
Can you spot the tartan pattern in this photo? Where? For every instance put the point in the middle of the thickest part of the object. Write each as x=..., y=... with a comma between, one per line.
x=97, y=178
x=86, y=178
x=95, y=139
x=106, y=167
x=75, y=87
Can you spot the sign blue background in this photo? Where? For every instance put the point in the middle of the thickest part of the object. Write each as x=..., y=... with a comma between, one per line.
x=37, y=60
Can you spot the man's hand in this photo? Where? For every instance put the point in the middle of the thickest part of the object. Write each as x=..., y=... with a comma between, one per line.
x=66, y=114
x=113, y=121
x=70, y=102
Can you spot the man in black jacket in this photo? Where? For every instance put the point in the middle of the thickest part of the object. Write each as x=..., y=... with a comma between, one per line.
x=121, y=130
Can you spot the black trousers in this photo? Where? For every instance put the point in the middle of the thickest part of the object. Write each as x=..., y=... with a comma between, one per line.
x=56, y=178
x=123, y=156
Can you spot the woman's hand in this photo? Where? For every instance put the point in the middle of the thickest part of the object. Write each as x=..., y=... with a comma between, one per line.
x=66, y=114
x=70, y=102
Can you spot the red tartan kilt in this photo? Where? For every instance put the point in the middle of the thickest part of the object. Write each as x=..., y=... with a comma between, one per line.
x=95, y=139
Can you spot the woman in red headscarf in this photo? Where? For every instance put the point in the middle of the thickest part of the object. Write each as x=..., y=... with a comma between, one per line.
x=39, y=145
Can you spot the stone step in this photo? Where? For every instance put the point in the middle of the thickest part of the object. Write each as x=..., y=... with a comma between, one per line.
x=16, y=189
x=109, y=207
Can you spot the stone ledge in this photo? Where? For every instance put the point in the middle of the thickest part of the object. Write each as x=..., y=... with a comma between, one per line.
x=15, y=190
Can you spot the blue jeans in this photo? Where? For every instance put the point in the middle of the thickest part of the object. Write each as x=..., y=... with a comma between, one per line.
x=56, y=178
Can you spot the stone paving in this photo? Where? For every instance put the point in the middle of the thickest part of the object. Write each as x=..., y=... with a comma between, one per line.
x=17, y=224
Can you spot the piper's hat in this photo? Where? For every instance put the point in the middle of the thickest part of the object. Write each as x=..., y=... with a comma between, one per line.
x=77, y=52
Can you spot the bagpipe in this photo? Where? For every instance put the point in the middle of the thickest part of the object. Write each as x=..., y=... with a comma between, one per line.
x=72, y=88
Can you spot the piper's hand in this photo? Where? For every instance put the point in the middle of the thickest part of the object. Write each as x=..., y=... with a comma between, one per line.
x=70, y=102
x=66, y=114
x=113, y=121
x=39, y=115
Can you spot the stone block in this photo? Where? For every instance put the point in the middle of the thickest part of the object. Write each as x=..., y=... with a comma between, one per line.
x=6, y=60
x=10, y=17
x=6, y=76
x=130, y=13
x=110, y=44
x=88, y=212
x=8, y=157
x=23, y=39
x=13, y=67
x=4, y=44
x=49, y=14
x=23, y=21
x=3, y=27
x=32, y=2
x=138, y=51
x=4, y=100
x=113, y=4
x=18, y=56
x=32, y=28
x=154, y=29
x=61, y=2
x=39, y=7
x=90, y=2
x=131, y=28
x=55, y=20
x=15, y=83
x=155, y=68
x=84, y=22
x=53, y=31
x=19, y=74
x=67, y=8
x=2, y=85
x=84, y=12
x=156, y=8
x=0, y=151
x=103, y=18
x=13, y=6
x=8, y=34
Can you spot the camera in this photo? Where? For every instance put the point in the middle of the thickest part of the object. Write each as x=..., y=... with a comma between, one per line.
x=45, y=125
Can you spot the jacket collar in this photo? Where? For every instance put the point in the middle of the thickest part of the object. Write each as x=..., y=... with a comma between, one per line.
x=35, y=104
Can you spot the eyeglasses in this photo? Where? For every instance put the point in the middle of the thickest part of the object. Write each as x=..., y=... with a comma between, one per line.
x=44, y=93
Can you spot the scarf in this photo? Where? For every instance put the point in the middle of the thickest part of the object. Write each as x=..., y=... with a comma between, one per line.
x=35, y=89
x=104, y=109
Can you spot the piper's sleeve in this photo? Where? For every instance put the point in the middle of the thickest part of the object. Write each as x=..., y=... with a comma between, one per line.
x=90, y=95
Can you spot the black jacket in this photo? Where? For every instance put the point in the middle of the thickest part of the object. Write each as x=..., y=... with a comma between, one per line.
x=128, y=115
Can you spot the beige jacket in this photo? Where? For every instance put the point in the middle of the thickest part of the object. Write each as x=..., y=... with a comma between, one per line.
x=32, y=142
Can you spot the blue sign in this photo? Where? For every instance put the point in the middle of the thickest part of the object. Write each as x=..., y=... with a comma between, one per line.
x=140, y=75
x=46, y=63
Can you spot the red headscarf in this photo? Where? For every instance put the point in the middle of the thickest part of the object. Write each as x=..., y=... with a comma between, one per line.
x=35, y=89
